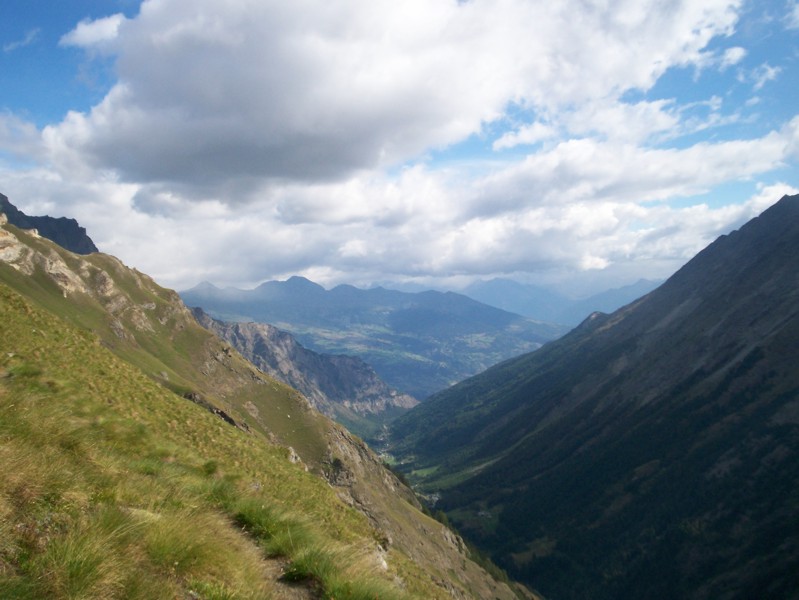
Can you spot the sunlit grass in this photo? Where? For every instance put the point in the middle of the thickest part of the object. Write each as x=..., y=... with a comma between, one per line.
x=113, y=487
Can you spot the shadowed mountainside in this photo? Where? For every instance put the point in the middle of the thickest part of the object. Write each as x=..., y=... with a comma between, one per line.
x=63, y=231
x=653, y=452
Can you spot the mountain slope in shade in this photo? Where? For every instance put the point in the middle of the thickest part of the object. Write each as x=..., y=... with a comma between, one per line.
x=418, y=343
x=653, y=452
x=49, y=295
x=63, y=231
x=343, y=387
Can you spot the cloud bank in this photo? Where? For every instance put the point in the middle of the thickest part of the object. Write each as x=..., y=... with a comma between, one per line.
x=249, y=140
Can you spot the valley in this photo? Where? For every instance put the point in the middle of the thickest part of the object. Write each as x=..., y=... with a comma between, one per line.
x=417, y=343
x=378, y=300
x=651, y=452
x=125, y=421
x=647, y=451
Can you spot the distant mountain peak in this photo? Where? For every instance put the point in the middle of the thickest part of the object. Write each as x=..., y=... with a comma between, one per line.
x=205, y=286
x=299, y=282
x=417, y=342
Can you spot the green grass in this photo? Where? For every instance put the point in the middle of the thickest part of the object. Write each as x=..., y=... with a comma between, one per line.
x=113, y=487
x=94, y=430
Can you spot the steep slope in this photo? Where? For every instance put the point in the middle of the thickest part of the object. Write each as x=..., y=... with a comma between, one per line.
x=113, y=487
x=63, y=231
x=653, y=452
x=343, y=387
x=134, y=327
x=418, y=343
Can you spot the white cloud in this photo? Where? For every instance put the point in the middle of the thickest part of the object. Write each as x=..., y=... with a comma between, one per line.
x=30, y=37
x=763, y=74
x=20, y=138
x=732, y=56
x=792, y=18
x=211, y=91
x=575, y=207
x=525, y=135
x=588, y=170
x=251, y=140
x=637, y=122
x=93, y=33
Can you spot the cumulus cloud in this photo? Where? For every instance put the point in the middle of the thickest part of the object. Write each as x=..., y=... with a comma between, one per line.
x=94, y=33
x=248, y=140
x=585, y=170
x=636, y=123
x=302, y=91
x=20, y=138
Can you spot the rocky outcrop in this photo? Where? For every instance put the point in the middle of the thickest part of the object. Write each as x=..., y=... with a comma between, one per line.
x=23, y=258
x=64, y=232
x=334, y=384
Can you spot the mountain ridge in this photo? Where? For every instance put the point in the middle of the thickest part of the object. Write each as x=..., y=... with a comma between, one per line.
x=634, y=456
x=65, y=232
x=545, y=305
x=343, y=387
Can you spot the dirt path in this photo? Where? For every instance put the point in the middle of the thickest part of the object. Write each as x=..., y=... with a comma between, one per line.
x=284, y=590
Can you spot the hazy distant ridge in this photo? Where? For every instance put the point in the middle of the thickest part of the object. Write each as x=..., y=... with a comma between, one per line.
x=544, y=304
x=419, y=343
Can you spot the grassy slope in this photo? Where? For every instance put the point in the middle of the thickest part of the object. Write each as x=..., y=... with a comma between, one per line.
x=146, y=446
x=114, y=487
x=171, y=348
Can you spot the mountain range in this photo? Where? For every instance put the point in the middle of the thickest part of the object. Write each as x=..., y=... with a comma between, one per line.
x=549, y=306
x=144, y=457
x=418, y=343
x=649, y=453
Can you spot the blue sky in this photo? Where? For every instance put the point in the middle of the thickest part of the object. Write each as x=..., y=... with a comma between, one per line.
x=42, y=81
x=581, y=144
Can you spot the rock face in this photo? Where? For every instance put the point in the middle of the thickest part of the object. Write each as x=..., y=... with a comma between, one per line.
x=64, y=232
x=339, y=386
x=653, y=452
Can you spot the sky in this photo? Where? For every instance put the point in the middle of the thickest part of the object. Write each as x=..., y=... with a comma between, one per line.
x=578, y=144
